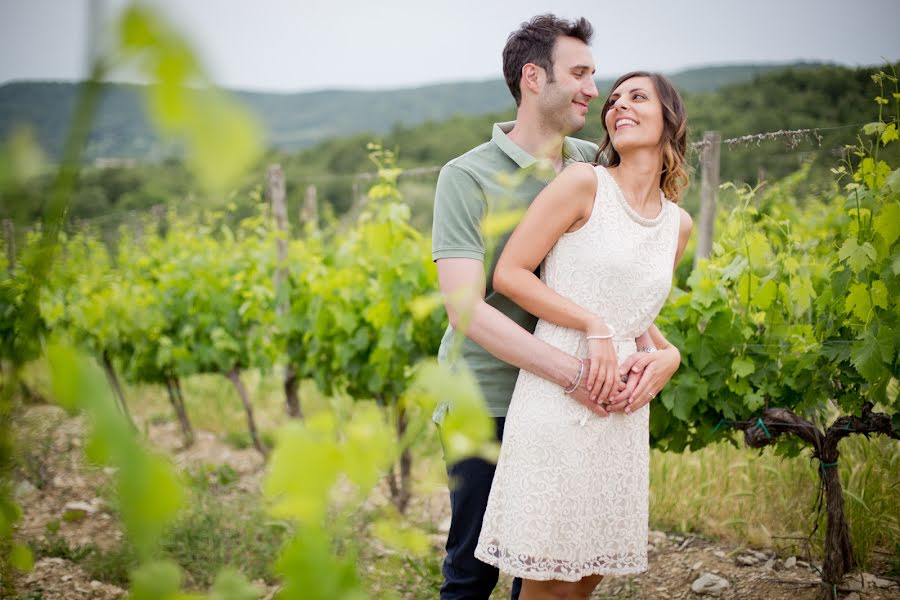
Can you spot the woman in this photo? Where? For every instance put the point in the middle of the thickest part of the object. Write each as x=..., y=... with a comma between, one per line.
x=569, y=500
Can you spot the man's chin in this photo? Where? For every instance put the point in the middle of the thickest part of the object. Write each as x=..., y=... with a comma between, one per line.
x=575, y=125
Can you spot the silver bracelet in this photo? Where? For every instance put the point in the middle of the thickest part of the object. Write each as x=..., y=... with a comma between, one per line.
x=574, y=385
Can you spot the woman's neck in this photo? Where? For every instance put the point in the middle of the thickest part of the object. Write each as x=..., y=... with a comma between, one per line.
x=638, y=175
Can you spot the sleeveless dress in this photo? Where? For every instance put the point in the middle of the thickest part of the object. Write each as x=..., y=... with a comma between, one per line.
x=570, y=493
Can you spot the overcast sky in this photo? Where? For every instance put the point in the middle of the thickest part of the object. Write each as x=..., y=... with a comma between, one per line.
x=293, y=45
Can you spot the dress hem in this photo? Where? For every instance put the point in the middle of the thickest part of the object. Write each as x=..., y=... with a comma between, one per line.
x=553, y=575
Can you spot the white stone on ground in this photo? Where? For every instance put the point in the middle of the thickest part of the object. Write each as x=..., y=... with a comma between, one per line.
x=710, y=584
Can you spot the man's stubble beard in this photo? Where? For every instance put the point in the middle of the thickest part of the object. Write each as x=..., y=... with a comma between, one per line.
x=557, y=113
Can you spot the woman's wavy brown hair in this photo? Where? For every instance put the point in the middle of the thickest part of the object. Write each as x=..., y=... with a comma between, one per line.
x=674, y=177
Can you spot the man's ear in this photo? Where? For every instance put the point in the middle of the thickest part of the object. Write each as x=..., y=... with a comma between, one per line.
x=533, y=78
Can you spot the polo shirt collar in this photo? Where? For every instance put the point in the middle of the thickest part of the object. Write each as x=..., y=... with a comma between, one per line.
x=517, y=154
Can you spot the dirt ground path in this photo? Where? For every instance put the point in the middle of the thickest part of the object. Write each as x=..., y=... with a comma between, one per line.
x=54, y=476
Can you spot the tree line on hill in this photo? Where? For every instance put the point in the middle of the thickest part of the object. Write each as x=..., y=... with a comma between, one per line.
x=799, y=97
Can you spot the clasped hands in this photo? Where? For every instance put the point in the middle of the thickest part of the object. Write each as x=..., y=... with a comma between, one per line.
x=626, y=387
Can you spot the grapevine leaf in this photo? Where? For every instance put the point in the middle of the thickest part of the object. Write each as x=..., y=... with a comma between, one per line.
x=835, y=351
x=857, y=256
x=735, y=268
x=230, y=584
x=858, y=302
x=765, y=295
x=21, y=558
x=312, y=447
x=310, y=569
x=879, y=294
x=801, y=294
x=689, y=390
x=754, y=401
x=758, y=247
x=705, y=288
x=874, y=127
x=889, y=133
x=887, y=222
x=866, y=357
x=742, y=366
x=892, y=182
x=151, y=581
x=887, y=342
x=400, y=536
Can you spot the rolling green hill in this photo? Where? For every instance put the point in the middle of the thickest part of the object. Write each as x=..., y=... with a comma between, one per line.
x=827, y=96
x=292, y=121
x=836, y=98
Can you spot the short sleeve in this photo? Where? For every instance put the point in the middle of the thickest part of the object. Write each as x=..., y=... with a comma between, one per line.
x=459, y=207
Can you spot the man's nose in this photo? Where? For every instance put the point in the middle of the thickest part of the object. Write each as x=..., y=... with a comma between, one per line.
x=591, y=90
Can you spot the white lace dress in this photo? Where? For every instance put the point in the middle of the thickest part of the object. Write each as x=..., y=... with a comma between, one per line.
x=570, y=494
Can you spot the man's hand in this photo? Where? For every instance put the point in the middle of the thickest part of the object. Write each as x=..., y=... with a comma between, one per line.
x=647, y=373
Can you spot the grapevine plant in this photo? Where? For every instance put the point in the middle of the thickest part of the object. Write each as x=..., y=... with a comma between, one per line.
x=790, y=331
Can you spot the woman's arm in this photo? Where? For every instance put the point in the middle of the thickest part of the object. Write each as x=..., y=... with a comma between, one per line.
x=563, y=206
x=462, y=284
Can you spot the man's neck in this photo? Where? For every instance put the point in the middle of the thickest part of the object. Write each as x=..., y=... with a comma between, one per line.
x=538, y=140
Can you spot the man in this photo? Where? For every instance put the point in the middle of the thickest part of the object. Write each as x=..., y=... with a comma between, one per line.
x=549, y=69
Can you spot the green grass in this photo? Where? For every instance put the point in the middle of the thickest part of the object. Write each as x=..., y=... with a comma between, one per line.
x=739, y=495
x=209, y=535
x=112, y=566
x=55, y=546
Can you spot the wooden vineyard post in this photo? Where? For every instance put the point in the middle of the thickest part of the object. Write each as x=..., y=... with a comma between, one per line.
x=709, y=190
x=309, y=214
x=279, y=213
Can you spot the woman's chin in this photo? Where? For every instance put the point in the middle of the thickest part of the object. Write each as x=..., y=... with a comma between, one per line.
x=626, y=146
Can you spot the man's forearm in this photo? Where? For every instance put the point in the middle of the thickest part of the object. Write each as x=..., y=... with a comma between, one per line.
x=499, y=335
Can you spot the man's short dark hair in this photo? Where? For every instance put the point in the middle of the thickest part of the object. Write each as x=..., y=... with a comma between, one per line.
x=533, y=42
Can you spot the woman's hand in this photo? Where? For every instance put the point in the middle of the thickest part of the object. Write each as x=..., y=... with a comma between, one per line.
x=603, y=378
x=648, y=373
x=582, y=396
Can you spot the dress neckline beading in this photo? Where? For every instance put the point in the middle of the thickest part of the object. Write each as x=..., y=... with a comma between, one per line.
x=633, y=214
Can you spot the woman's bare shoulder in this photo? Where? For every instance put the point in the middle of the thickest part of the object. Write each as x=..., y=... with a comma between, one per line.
x=686, y=222
x=580, y=174
x=577, y=179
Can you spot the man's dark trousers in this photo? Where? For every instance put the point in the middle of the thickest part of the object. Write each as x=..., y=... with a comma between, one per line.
x=466, y=577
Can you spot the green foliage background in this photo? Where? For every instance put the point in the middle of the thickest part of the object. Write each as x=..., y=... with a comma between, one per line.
x=797, y=306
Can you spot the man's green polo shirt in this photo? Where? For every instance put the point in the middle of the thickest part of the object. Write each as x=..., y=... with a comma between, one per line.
x=480, y=197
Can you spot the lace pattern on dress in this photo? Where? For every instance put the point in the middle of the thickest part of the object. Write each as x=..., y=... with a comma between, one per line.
x=570, y=500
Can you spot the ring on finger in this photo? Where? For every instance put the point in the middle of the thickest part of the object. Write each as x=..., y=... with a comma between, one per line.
x=651, y=394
